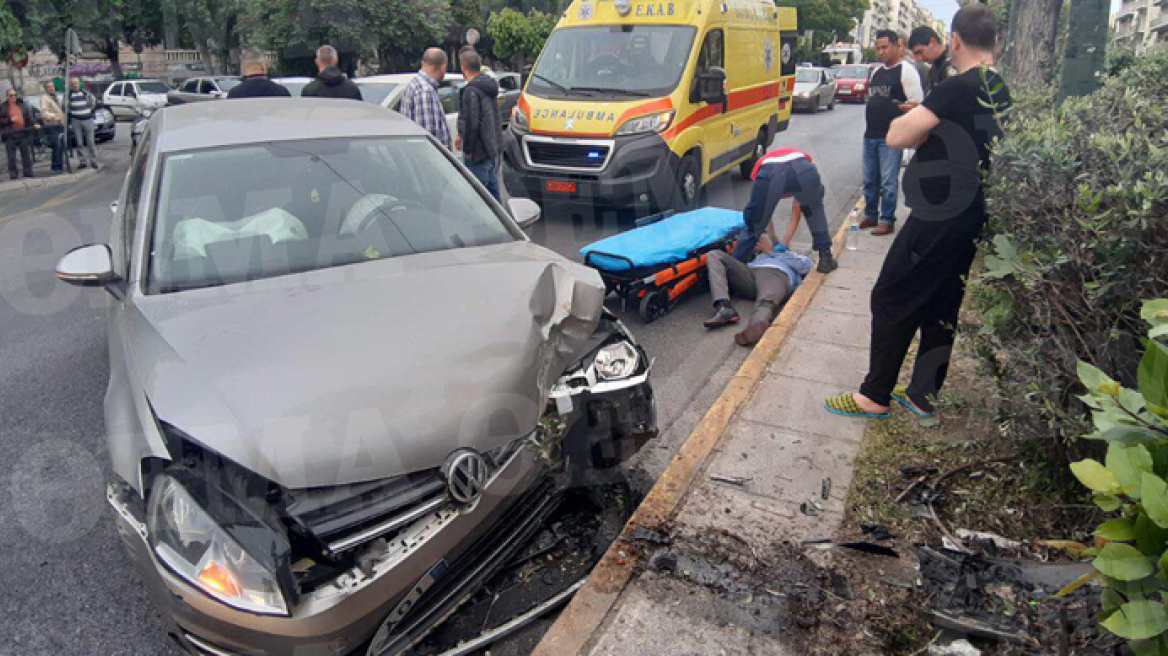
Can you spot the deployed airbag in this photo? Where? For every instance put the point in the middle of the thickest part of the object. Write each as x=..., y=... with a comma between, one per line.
x=192, y=236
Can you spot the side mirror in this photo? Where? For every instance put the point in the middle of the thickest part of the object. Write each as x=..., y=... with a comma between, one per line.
x=219, y=94
x=710, y=86
x=525, y=211
x=87, y=266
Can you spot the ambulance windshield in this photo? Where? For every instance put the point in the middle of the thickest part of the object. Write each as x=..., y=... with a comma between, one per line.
x=612, y=61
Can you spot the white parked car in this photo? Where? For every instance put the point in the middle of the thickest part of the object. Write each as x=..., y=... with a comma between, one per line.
x=128, y=98
x=387, y=91
x=294, y=85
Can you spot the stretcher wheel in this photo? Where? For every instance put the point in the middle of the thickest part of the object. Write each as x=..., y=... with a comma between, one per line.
x=654, y=305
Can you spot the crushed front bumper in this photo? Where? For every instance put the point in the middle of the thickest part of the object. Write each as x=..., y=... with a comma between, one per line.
x=600, y=424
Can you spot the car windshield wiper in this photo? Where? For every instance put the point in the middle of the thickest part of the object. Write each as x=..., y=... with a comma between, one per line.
x=563, y=89
x=623, y=92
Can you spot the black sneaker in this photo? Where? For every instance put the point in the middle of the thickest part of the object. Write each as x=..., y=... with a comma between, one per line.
x=827, y=263
x=725, y=316
x=82, y=165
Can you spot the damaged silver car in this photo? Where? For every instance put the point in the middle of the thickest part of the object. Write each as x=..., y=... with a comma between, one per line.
x=345, y=387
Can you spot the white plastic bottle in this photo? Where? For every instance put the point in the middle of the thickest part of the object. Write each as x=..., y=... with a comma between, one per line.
x=853, y=237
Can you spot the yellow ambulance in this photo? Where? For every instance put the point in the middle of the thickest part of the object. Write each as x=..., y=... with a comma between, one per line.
x=643, y=102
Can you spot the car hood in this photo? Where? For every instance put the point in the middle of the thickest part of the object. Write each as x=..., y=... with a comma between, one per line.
x=366, y=371
x=804, y=87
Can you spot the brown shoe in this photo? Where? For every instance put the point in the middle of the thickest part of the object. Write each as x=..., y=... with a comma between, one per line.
x=883, y=229
x=868, y=223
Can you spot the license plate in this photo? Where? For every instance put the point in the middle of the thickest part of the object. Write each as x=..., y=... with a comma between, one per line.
x=381, y=640
x=560, y=186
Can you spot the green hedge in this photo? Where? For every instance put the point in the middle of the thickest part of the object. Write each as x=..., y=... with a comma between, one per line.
x=1078, y=199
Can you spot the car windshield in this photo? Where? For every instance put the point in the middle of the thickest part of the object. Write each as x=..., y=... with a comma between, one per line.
x=227, y=84
x=375, y=92
x=806, y=75
x=248, y=212
x=612, y=60
x=152, y=87
x=853, y=73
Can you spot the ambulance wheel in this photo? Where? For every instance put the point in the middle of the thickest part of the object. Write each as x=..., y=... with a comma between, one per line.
x=760, y=146
x=689, y=184
x=654, y=305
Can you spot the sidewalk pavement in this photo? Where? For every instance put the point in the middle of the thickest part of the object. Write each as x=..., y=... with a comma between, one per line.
x=676, y=582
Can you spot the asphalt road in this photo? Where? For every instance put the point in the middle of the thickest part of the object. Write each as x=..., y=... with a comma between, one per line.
x=67, y=586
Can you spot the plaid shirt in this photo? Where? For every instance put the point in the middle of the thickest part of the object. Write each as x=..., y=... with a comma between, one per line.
x=420, y=104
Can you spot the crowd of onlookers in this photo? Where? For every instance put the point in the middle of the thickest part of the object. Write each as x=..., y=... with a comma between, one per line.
x=27, y=129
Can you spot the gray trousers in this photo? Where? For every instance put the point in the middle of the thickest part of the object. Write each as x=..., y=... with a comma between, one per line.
x=84, y=128
x=768, y=288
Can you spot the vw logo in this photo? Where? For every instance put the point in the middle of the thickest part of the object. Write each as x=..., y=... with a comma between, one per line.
x=466, y=476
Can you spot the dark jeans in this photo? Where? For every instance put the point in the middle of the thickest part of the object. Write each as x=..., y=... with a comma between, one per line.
x=767, y=287
x=11, y=145
x=881, y=166
x=920, y=289
x=54, y=138
x=798, y=179
x=486, y=172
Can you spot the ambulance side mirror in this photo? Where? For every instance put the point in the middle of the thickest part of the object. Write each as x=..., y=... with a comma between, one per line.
x=711, y=86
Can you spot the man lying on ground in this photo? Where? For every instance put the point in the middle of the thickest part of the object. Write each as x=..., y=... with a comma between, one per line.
x=768, y=280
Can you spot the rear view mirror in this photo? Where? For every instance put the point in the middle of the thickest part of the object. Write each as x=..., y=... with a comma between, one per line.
x=710, y=86
x=525, y=211
x=87, y=266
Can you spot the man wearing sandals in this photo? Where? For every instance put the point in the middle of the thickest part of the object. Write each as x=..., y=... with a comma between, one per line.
x=922, y=281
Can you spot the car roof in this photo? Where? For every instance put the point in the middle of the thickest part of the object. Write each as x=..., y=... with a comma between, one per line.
x=258, y=120
x=397, y=78
x=293, y=78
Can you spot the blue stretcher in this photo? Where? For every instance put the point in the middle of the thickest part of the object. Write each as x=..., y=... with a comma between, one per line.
x=661, y=259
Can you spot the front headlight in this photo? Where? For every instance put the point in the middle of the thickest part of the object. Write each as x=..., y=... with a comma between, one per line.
x=193, y=546
x=651, y=123
x=616, y=361
x=519, y=119
x=859, y=86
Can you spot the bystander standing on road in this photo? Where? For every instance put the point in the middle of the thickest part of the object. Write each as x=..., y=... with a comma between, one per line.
x=779, y=174
x=330, y=82
x=81, y=105
x=922, y=282
x=893, y=89
x=926, y=46
x=16, y=126
x=420, y=101
x=480, y=128
x=53, y=124
x=773, y=275
x=256, y=83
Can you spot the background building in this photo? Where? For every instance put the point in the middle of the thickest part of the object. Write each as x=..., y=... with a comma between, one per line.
x=1141, y=24
x=900, y=15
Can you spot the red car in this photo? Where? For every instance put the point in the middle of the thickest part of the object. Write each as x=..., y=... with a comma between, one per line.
x=851, y=83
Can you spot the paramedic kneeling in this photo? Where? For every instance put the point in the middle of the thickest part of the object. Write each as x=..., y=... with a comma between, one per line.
x=769, y=279
x=786, y=173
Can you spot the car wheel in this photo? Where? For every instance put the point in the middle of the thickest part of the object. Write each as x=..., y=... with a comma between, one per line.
x=689, y=183
x=760, y=146
x=831, y=105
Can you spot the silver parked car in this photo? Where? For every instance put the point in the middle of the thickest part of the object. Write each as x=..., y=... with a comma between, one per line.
x=814, y=89
x=198, y=89
x=345, y=387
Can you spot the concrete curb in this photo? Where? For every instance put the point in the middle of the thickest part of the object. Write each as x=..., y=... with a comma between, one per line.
x=579, y=621
x=37, y=183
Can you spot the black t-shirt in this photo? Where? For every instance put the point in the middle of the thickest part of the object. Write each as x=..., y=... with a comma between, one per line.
x=943, y=180
x=885, y=93
x=938, y=72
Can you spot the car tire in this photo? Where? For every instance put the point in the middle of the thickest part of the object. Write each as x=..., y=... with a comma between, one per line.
x=760, y=146
x=831, y=105
x=688, y=192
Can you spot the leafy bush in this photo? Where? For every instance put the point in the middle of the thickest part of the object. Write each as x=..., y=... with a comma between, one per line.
x=1134, y=561
x=1078, y=198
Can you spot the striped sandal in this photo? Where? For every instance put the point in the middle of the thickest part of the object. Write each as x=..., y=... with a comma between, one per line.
x=845, y=405
x=900, y=395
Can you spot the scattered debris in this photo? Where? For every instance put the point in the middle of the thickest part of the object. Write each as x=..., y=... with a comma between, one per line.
x=956, y=648
x=811, y=508
x=978, y=629
x=731, y=480
x=869, y=548
x=825, y=489
x=998, y=541
x=516, y=623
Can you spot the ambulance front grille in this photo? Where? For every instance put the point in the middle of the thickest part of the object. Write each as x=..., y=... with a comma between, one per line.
x=567, y=155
